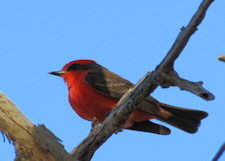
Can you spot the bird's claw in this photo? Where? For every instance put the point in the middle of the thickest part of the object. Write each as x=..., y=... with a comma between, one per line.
x=107, y=114
x=94, y=124
x=118, y=130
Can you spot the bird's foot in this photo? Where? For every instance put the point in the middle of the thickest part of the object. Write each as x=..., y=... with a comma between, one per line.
x=118, y=130
x=107, y=114
x=94, y=124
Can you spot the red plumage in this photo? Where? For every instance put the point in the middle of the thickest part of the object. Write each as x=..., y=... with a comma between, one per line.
x=94, y=91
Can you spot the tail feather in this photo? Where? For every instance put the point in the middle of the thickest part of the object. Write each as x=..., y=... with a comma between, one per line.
x=184, y=119
x=148, y=126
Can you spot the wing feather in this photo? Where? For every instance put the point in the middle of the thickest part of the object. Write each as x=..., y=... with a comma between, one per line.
x=115, y=86
x=108, y=83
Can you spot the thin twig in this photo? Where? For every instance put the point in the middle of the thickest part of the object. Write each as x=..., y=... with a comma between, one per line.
x=222, y=58
x=219, y=153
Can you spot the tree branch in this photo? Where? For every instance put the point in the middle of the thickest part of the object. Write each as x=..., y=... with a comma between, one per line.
x=222, y=58
x=19, y=129
x=171, y=78
x=220, y=152
x=25, y=136
x=50, y=143
x=184, y=36
x=161, y=76
x=116, y=119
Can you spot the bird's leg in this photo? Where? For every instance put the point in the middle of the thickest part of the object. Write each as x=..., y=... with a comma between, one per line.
x=118, y=130
x=94, y=124
x=107, y=114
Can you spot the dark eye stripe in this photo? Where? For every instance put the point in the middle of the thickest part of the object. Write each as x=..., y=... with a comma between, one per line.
x=79, y=67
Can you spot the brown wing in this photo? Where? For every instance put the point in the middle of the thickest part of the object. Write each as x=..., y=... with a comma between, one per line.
x=151, y=106
x=115, y=86
x=108, y=82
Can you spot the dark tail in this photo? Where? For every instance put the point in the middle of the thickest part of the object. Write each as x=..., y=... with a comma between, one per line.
x=148, y=126
x=184, y=119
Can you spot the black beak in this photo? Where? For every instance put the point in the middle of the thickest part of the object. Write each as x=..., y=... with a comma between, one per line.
x=57, y=73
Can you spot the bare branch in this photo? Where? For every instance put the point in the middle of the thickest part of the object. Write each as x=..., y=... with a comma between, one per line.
x=222, y=58
x=184, y=36
x=19, y=129
x=148, y=84
x=220, y=152
x=166, y=66
x=49, y=142
x=31, y=142
x=171, y=78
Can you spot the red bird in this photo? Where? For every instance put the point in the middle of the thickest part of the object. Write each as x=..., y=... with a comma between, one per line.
x=94, y=91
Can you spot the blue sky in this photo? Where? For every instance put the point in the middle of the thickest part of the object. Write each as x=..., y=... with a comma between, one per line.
x=129, y=38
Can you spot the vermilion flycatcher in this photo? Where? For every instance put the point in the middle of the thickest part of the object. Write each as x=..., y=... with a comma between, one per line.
x=94, y=91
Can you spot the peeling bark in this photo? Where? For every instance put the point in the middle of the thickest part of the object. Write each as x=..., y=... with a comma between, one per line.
x=20, y=130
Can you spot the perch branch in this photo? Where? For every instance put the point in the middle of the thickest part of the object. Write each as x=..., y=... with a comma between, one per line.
x=184, y=36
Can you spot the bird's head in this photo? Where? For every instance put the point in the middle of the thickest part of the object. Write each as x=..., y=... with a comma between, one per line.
x=74, y=67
